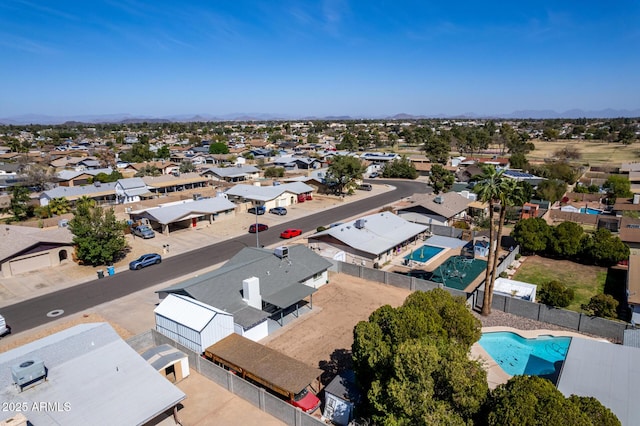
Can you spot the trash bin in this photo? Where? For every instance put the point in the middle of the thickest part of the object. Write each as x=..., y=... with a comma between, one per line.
x=111, y=270
x=100, y=273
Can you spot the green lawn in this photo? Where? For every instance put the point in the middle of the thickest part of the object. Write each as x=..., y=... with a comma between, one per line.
x=586, y=280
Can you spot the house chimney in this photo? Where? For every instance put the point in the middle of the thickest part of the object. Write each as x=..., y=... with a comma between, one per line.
x=636, y=198
x=251, y=292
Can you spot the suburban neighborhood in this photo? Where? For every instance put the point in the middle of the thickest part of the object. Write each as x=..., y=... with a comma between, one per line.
x=302, y=272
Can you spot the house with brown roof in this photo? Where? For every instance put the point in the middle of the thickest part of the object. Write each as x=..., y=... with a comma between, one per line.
x=627, y=205
x=630, y=231
x=432, y=209
x=33, y=248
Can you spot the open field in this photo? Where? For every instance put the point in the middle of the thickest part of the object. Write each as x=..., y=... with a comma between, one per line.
x=593, y=153
x=586, y=280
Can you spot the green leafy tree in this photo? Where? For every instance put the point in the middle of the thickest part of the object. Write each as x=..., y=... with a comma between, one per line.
x=518, y=161
x=187, y=167
x=148, y=170
x=595, y=411
x=139, y=153
x=602, y=305
x=20, y=202
x=163, y=152
x=97, y=234
x=532, y=235
x=412, y=361
x=441, y=179
x=534, y=401
x=312, y=139
x=401, y=168
x=218, y=148
x=618, y=186
x=604, y=248
x=555, y=293
x=111, y=177
x=343, y=171
x=567, y=240
x=551, y=189
x=274, y=172
x=437, y=147
x=349, y=142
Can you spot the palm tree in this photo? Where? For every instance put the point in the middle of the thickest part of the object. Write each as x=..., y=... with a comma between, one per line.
x=85, y=203
x=511, y=194
x=489, y=190
x=58, y=206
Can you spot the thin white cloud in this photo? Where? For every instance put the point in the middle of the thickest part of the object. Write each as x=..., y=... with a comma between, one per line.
x=25, y=45
x=46, y=10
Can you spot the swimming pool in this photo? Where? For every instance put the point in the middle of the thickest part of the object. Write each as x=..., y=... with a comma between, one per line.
x=542, y=356
x=424, y=253
x=589, y=210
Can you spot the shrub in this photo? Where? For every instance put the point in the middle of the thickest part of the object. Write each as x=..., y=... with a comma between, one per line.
x=602, y=305
x=503, y=274
x=554, y=293
x=517, y=256
x=320, y=229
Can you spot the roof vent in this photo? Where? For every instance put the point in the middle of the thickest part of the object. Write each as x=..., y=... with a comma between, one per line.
x=359, y=224
x=282, y=252
x=28, y=372
x=438, y=200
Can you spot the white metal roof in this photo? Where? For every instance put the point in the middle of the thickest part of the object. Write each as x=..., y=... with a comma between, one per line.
x=187, y=209
x=381, y=232
x=187, y=311
x=267, y=193
x=102, y=380
x=515, y=288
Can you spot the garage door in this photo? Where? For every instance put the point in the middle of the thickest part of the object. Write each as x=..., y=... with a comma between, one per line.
x=31, y=263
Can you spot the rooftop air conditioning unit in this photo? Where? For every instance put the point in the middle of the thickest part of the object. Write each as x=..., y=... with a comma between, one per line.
x=359, y=224
x=281, y=252
x=28, y=372
x=438, y=200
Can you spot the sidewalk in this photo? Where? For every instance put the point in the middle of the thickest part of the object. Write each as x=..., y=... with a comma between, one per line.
x=37, y=283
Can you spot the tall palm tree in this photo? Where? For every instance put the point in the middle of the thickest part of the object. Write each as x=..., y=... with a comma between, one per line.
x=511, y=194
x=489, y=190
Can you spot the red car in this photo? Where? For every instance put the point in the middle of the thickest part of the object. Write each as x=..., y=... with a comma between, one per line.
x=290, y=233
x=260, y=228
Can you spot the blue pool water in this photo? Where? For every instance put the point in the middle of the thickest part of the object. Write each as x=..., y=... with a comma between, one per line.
x=517, y=355
x=589, y=210
x=424, y=253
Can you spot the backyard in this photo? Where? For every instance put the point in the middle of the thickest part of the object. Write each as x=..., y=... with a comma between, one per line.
x=585, y=280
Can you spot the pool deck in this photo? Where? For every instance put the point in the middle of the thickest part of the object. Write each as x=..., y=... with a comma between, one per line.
x=495, y=374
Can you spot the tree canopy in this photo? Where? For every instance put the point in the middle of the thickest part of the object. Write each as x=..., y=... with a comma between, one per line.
x=400, y=168
x=412, y=361
x=343, y=171
x=441, y=179
x=218, y=148
x=19, y=204
x=97, y=234
x=532, y=235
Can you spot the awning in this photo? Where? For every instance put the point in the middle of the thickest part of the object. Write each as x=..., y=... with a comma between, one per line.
x=289, y=295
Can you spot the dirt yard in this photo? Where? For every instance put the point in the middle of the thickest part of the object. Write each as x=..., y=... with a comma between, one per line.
x=593, y=153
x=323, y=337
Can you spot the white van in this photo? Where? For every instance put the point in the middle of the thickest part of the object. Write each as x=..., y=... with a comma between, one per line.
x=4, y=327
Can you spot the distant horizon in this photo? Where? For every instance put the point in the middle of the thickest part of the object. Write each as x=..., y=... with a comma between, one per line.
x=317, y=58
x=42, y=119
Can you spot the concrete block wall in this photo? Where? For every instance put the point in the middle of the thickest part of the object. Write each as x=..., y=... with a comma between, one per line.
x=255, y=395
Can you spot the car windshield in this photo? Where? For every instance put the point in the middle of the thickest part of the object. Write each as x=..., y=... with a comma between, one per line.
x=300, y=395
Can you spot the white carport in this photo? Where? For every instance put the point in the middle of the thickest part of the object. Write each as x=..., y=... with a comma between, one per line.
x=193, y=324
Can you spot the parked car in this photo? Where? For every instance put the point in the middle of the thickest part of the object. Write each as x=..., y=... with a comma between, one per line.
x=4, y=327
x=260, y=226
x=365, y=187
x=258, y=210
x=374, y=175
x=281, y=211
x=290, y=233
x=145, y=260
x=143, y=231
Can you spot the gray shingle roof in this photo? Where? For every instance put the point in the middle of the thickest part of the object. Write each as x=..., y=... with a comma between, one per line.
x=279, y=281
x=93, y=370
x=452, y=203
x=232, y=171
x=72, y=174
x=266, y=193
x=381, y=232
x=73, y=192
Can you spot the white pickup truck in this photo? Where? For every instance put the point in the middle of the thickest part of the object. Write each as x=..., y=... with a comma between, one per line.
x=4, y=327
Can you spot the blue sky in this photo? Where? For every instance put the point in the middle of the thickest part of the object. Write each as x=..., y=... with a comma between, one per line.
x=303, y=58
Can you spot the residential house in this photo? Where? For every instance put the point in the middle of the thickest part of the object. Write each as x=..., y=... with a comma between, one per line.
x=84, y=375
x=258, y=286
x=431, y=209
x=31, y=249
x=237, y=173
x=270, y=196
x=131, y=190
x=78, y=178
x=100, y=192
x=369, y=241
x=186, y=214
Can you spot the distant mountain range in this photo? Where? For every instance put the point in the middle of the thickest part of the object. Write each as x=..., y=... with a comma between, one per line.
x=128, y=118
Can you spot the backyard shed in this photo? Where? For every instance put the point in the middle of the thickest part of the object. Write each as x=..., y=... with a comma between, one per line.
x=193, y=324
x=172, y=363
x=340, y=397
